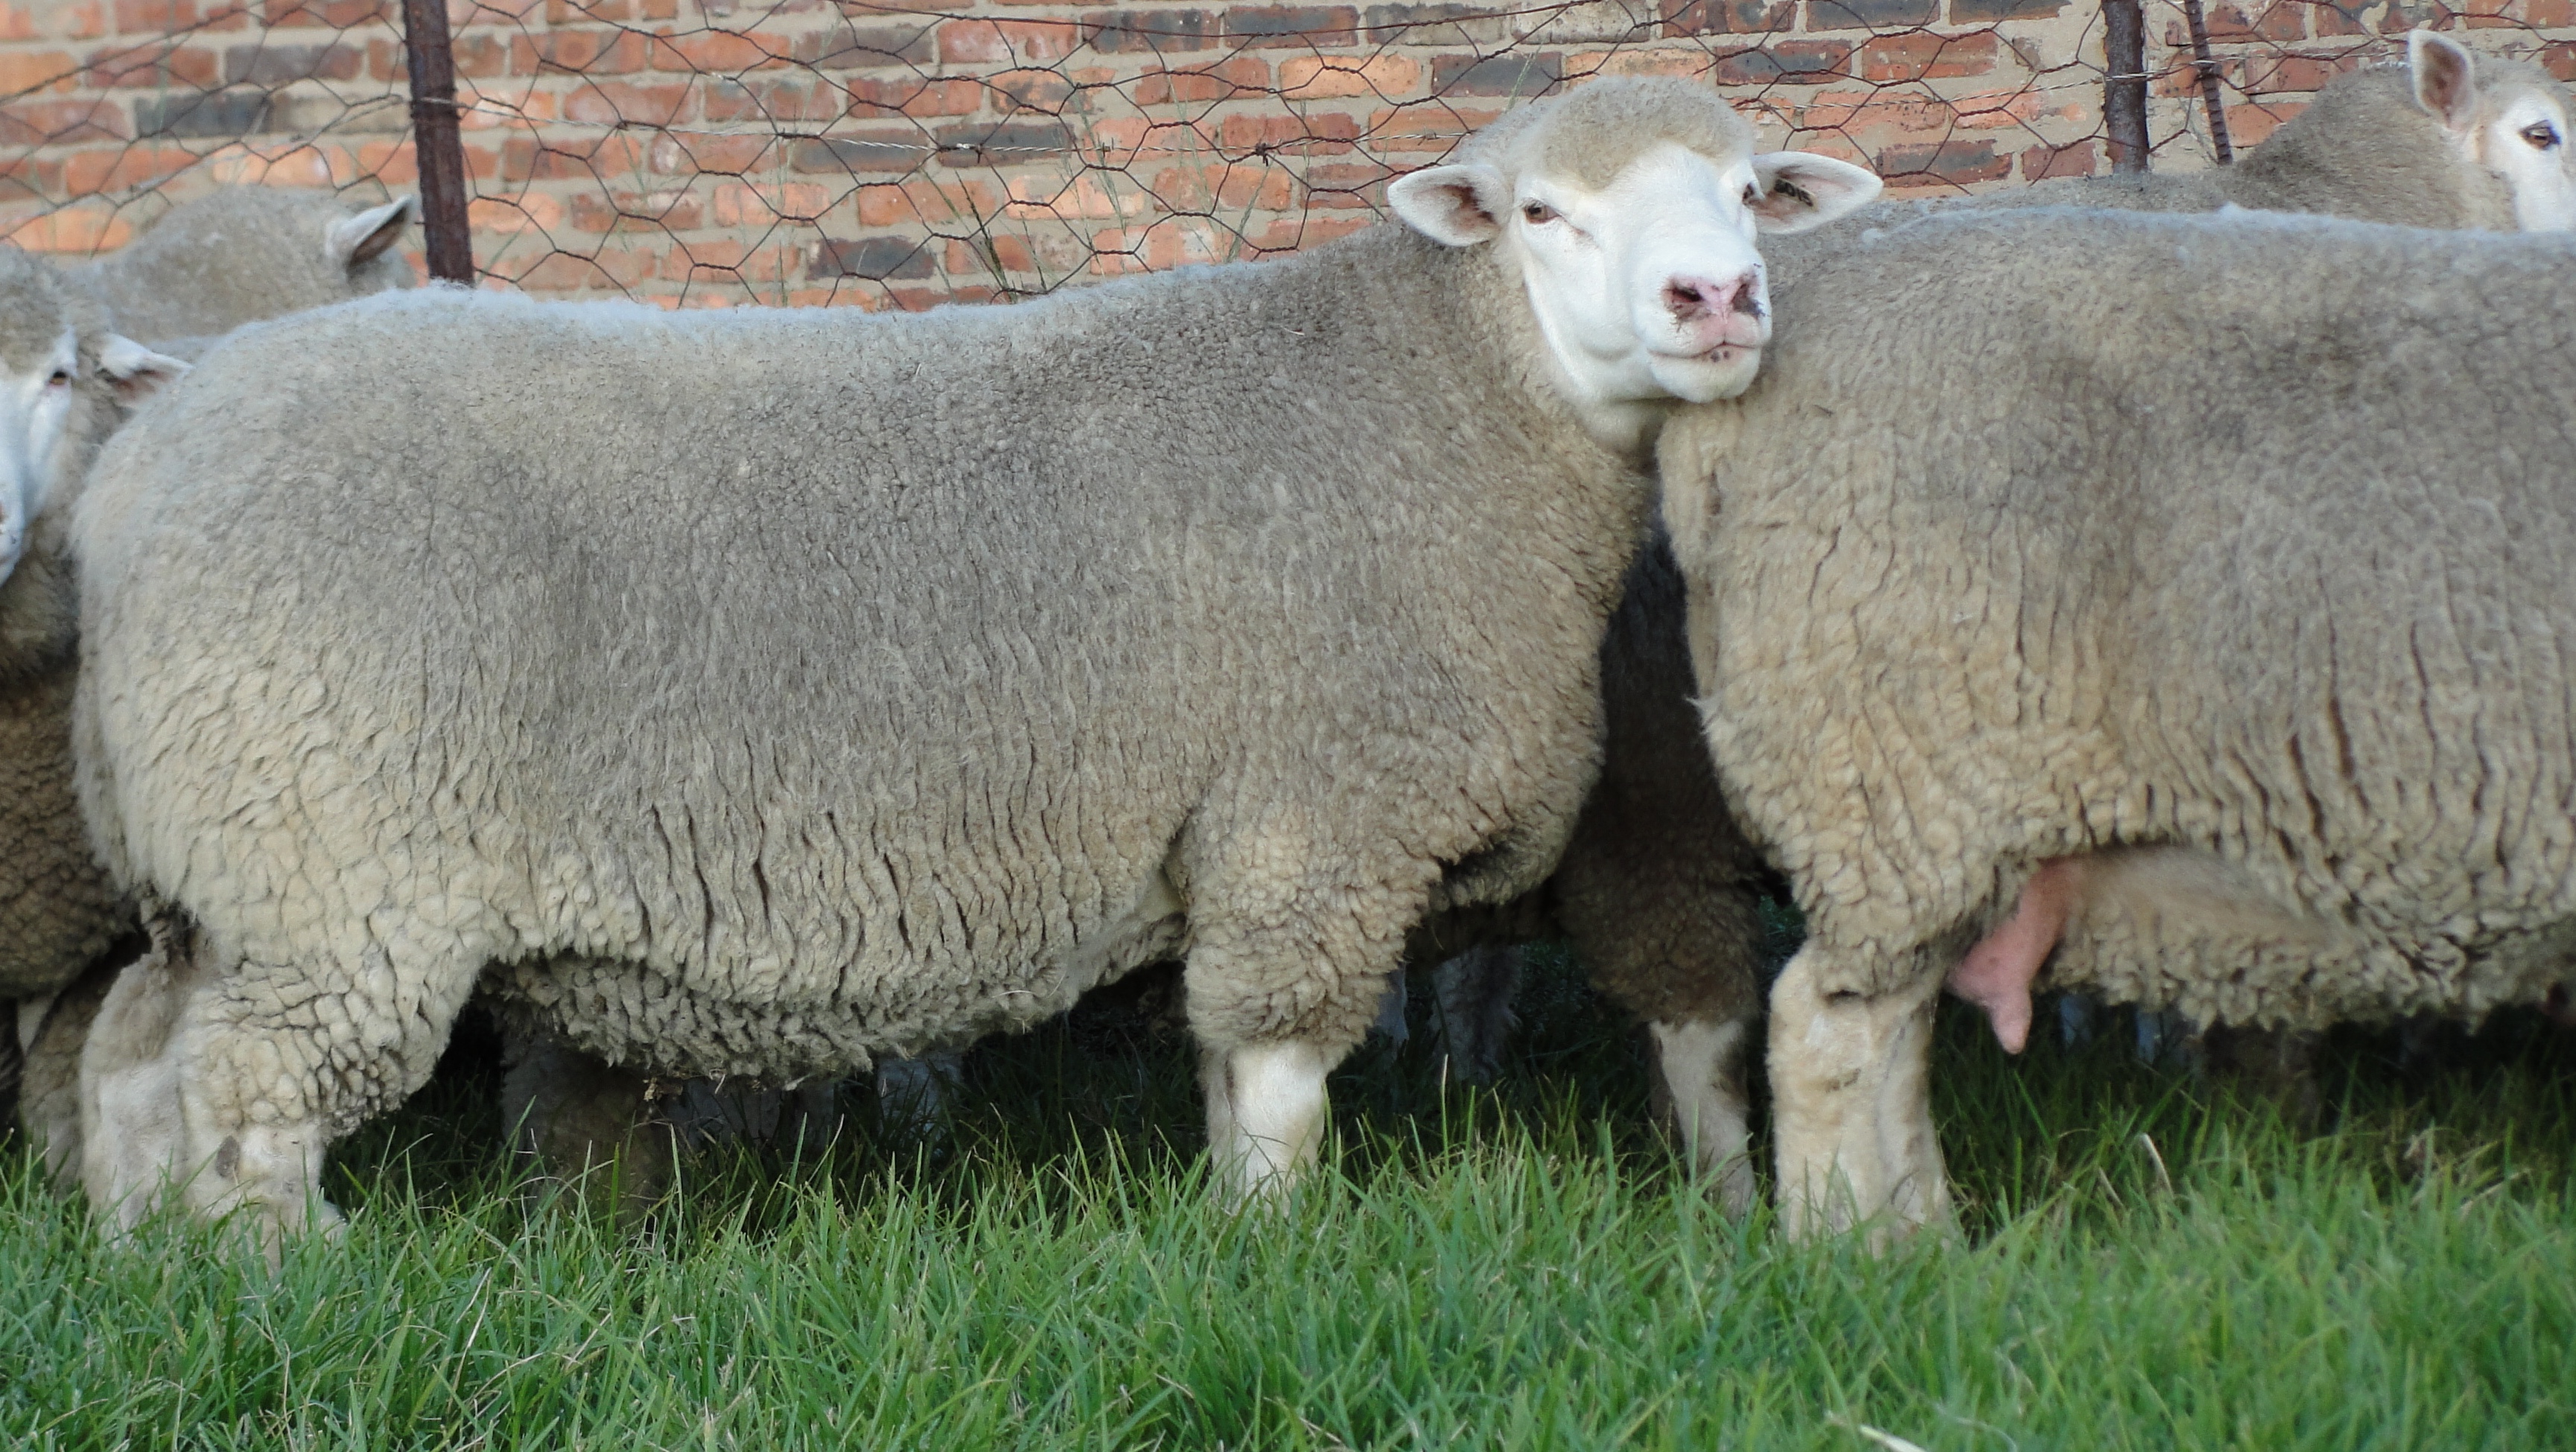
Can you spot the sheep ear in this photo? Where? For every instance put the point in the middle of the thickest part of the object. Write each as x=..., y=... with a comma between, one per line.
x=134, y=372
x=364, y=237
x=1457, y=205
x=1800, y=189
x=2446, y=76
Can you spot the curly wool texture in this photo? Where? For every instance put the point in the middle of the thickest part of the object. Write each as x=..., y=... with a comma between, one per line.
x=2221, y=560
x=867, y=685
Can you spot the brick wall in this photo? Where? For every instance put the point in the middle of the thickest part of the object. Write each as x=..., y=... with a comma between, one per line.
x=904, y=151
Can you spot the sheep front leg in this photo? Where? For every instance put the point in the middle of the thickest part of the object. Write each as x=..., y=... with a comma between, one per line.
x=1851, y=1106
x=1699, y=1066
x=1266, y=1113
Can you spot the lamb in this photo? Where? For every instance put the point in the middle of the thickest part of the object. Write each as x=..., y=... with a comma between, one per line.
x=2218, y=624
x=245, y=254
x=1157, y=617
x=66, y=381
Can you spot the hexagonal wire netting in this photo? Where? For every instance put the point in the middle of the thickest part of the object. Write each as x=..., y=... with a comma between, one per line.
x=797, y=151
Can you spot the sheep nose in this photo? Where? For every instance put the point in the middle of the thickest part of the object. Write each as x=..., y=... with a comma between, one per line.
x=1691, y=298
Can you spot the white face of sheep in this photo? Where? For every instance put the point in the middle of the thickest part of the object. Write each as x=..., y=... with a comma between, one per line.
x=1649, y=289
x=2515, y=129
x=43, y=418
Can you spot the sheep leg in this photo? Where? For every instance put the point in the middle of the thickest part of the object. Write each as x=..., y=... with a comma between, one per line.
x=586, y=1125
x=131, y=1137
x=49, y=1105
x=1851, y=1105
x=1265, y=1111
x=1699, y=1066
x=1474, y=991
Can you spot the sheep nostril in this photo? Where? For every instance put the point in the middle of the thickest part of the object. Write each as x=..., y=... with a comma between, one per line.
x=1684, y=300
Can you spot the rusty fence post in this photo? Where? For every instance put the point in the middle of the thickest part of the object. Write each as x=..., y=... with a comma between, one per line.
x=2208, y=82
x=434, y=141
x=2124, y=83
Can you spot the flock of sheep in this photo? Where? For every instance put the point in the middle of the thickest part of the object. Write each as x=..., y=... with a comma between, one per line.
x=2151, y=582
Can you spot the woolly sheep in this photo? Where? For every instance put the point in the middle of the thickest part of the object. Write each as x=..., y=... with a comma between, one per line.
x=2223, y=610
x=66, y=381
x=234, y=257
x=779, y=731
x=245, y=254
x=2448, y=139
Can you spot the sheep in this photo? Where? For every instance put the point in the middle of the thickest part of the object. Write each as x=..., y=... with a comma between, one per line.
x=205, y=267
x=782, y=731
x=245, y=254
x=2215, y=627
x=2447, y=140
x=66, y=381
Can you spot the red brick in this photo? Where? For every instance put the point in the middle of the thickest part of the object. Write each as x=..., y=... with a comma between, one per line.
x=912, y=97
x=1944, y=163
x=1729, y=17
x=579, y=52
x=1223, y=81
x=1005, y=42
x=1797, y=62
x=1922, y=57
x=714, y=52
x=1297, y=25
x=773, y=99
x=612, y=103
x=60, y=123
x=2039, y=163
x=23, y=71
x=1322, y=130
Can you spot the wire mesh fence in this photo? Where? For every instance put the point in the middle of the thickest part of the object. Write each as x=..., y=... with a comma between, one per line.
x=905, y=152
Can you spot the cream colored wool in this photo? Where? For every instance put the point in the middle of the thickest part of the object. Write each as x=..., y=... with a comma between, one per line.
x=2244, y=551
x=233, y=257
x=245, y=254
x=828, y=686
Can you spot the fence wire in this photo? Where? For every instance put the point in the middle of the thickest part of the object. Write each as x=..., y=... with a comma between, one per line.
x=708, y=152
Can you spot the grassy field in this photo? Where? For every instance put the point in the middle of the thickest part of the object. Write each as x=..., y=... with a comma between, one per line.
x=2147, y=1263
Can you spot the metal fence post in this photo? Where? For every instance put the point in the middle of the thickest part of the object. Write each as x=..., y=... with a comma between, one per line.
x=2208, y=69
x=2124, y=83
x=434, y=140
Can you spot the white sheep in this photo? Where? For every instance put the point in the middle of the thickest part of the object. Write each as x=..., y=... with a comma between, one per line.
x=876, y=683
x=2447, y=139
x=207, y=266
x=2196, y=583
x=244, y=254
x=66, y=381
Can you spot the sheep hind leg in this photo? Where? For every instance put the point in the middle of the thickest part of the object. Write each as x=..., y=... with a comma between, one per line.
x=1851, y=1105
x=1699, y=1071
x=53, y=1031
x=586, y=1126
x=129, y=1137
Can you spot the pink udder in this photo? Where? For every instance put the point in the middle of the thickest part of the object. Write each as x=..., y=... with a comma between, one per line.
x=1997, y=973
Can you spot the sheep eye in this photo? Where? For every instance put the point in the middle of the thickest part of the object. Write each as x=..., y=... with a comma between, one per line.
x=2541, y=134
x=62, y=378
x=1537, y=214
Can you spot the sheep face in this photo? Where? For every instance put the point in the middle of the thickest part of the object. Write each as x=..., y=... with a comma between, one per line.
x=65, y=382
x=2512, y=120
x=1631, y=216
x=39, y=411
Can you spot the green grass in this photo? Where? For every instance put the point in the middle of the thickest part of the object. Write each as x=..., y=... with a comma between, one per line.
x=1520, y=1268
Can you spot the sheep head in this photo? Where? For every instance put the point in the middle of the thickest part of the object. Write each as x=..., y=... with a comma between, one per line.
x=1632, y=207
